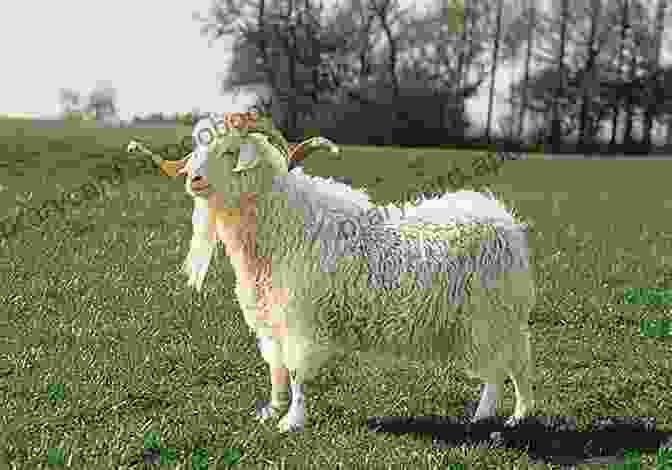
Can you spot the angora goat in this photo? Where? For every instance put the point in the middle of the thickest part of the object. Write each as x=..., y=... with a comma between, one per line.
x=447, y=278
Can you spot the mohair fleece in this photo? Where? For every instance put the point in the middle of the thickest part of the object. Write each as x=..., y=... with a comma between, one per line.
x=406, y=287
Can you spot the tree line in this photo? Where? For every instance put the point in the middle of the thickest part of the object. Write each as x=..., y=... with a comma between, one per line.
x=371, y=72
x=101, y=104
x=98, y=105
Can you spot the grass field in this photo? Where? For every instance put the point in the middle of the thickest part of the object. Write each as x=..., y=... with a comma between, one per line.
x=102, y=344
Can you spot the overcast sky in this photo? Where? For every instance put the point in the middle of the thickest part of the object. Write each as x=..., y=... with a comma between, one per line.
x=150, y=50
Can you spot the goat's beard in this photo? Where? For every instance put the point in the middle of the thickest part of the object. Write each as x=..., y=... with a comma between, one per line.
x=211, y=223
x=203, y=243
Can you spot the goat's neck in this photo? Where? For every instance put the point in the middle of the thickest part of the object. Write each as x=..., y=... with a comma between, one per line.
x=269, y=228
x=280, y=227
x=240, y=242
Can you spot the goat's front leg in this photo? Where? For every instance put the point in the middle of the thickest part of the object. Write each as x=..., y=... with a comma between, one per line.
x=304, y=359
x=271, y=351
x=295, y=419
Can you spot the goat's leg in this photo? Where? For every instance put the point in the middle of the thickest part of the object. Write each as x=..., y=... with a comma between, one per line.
x=521, y=373
x=520, y=370
x=304, y=360
x=487, y=406
x=295, y=419
x=271, y=350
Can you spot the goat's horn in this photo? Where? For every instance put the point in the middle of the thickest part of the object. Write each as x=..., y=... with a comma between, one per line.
x=301, y=151
x=168, y=167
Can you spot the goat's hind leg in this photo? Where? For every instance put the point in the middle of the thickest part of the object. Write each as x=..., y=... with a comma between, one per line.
x=521, y=373
x=487, y=405
x=493, y=378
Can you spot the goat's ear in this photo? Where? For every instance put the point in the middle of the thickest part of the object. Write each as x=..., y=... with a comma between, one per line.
x=248, y=155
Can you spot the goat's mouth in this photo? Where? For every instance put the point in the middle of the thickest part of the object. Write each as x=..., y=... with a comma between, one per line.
x=199, y=187
x=199, y=184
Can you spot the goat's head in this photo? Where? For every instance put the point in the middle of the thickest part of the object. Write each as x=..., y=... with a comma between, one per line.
x=234, y=157
x=242, y=153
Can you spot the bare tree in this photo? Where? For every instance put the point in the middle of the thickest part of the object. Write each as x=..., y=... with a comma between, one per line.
x=254, y=58
x=441, y=46
x=637, y=37
x=291, y=47
x=475, y=37
x=654, y=67
x=587, y=80
x=556, y=124
x=530, y=15
x=251, y=58
x=70, y=100
x=281, y=44
x=493, y=68
x=389, y=13
x=348, y=70
x=462, y=63
x=616, y=105
x=590, y=80
x=102, y=101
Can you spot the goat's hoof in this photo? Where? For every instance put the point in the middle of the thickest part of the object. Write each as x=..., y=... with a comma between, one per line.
x=483, y=418
x=293, y=428
x=513, y=421
x=287, y=424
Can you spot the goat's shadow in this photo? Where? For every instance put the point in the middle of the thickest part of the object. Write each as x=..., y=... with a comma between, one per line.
x=547, y=439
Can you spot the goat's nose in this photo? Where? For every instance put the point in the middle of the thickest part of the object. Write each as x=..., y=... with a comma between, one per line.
x=198, y=183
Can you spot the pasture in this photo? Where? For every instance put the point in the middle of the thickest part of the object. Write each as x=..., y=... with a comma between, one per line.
x=102, y=344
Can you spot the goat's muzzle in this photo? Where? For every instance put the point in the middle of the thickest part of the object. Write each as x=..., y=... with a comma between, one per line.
x=199, y=183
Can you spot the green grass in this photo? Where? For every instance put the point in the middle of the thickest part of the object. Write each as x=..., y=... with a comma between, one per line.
x=102, y=344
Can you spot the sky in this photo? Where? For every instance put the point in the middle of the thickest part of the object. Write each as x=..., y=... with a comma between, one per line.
x=151, y=51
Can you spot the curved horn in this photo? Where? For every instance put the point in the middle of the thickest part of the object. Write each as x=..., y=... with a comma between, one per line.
x=301, y=151
x=167, y=167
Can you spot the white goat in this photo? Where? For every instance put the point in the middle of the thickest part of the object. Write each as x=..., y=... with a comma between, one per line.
x=448, y=278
